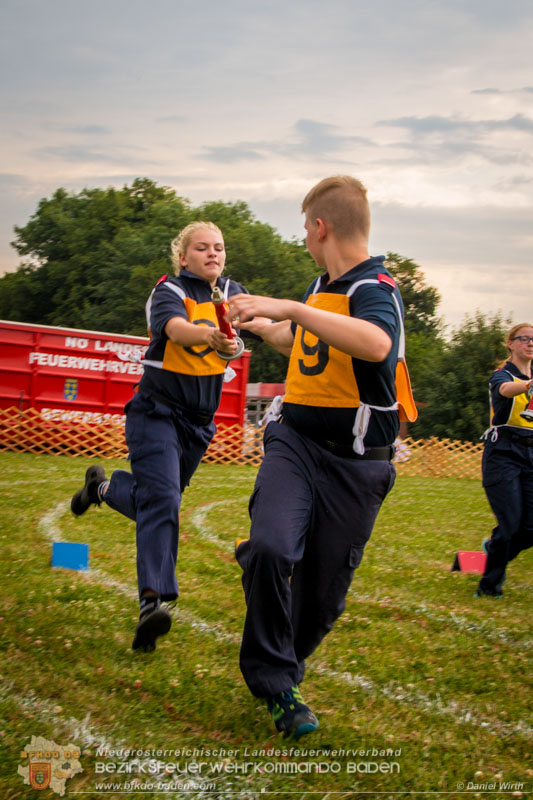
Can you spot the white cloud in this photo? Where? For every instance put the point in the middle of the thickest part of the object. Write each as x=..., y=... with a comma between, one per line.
x=429, y=102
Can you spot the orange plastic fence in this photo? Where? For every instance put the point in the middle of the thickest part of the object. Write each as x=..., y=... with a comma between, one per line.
x=31, y=432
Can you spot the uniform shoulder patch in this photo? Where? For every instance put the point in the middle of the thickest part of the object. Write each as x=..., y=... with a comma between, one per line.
x=382, y=278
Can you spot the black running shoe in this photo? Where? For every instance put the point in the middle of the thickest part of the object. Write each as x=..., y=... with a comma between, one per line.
x=290, y=714
x=88, y=496
x=151, y=624
x=497, y=593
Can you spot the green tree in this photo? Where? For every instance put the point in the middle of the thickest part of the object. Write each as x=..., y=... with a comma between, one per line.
x=81, y=251
x=90, y=260
x=423, y=328
x=457, y=394
x=420, y=300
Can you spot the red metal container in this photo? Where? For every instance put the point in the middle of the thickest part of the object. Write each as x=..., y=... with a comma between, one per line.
x=82, y=376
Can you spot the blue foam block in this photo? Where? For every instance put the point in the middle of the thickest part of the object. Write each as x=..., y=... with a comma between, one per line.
x=70, y=555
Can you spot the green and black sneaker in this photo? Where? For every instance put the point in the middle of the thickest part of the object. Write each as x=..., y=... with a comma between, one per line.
x=290, y=714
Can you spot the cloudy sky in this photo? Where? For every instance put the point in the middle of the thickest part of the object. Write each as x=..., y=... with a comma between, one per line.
x=429, y=102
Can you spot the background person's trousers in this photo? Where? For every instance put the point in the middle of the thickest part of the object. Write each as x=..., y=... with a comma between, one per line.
x=312, y=513
x=165, y=450
x=508, y=484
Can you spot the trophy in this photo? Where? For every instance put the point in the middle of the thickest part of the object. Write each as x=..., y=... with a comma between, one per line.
x=221, y=309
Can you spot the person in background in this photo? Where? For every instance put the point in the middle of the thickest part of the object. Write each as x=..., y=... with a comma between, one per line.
x=169, y=420
x=507, y=465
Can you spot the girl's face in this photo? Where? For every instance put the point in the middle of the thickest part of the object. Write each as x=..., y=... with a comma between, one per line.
x=205, y=255
x=522, y=349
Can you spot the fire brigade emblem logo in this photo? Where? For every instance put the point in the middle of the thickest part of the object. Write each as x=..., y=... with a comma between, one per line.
x=49, y=765
x=40, y=774
x=70, y=389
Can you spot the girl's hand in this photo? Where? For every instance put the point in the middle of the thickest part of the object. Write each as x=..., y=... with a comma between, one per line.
x=219, y=341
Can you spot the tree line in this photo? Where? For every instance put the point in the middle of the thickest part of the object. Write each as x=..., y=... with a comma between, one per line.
x=89, y=260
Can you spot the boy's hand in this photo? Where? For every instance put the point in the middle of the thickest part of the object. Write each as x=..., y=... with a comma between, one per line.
x=247, y=306
x=257, y=325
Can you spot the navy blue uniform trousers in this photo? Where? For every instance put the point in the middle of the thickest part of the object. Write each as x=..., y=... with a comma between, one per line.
x=165, y=449
x=508, y=482
x=312, y=513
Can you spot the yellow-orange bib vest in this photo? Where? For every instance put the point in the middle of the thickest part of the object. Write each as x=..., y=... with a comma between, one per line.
x=321, y=375
x=198, y=359
x=519, y=404
x=318, y=374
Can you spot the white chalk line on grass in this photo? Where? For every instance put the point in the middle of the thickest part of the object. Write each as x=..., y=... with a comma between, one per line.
x=49, y=526
x=432, y=705
x=461, y=623
x=80, y=730
x=88, y=737
x=199, y=518
x=437, y=706
x=199, y=521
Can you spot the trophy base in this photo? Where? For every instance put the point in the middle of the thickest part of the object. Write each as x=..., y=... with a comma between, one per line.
x=527, y=414
x=238, y=352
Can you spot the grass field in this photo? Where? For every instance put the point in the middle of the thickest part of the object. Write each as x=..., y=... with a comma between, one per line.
x=420, y=688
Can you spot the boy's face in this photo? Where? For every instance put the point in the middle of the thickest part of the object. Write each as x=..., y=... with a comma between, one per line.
x=205, y=255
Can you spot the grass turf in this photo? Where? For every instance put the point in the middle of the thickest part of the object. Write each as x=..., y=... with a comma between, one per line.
x=420, y=688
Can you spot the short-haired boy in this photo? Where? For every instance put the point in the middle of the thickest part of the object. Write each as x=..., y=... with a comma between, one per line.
x=327, y=465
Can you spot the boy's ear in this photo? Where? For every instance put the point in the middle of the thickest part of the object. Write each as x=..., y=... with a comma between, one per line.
x=321, y=229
